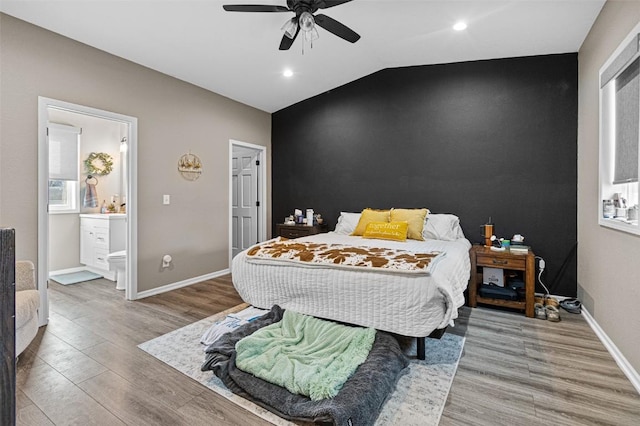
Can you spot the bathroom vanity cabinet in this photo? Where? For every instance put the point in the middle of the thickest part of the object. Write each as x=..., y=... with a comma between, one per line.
x=101, y=234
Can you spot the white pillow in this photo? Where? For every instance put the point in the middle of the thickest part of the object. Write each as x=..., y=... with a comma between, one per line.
x=444, y=227
x=347, y=223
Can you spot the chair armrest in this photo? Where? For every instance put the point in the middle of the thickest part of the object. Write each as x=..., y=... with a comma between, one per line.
x=25, y=275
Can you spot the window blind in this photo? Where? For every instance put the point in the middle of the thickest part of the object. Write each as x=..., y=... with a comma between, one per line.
x=621, y=61
x=627, y=124
x=63, y=152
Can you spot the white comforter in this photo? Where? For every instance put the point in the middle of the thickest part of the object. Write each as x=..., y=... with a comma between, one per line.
x=411, y=305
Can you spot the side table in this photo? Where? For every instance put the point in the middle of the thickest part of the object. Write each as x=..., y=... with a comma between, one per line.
x=483, y=256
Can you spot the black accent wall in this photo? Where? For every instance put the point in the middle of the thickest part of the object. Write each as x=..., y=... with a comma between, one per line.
x=494, y=138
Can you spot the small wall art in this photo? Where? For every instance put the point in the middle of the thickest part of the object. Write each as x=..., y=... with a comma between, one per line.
x=190, y=166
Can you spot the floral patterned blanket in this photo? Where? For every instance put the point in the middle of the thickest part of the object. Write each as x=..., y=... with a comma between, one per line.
x=338, y=255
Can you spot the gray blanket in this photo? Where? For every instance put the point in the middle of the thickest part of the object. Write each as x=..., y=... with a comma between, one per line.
x=359, y=402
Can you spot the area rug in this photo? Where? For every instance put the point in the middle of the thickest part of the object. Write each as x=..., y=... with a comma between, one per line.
x=75, y=277
x=419, y=397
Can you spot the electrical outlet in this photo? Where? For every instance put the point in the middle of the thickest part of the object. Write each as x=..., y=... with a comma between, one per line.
x=166, y=199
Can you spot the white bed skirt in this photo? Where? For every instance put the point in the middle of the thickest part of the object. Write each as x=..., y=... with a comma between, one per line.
x=406, y=304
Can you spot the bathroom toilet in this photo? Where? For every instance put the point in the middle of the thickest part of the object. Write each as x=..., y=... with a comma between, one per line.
x=118, y=262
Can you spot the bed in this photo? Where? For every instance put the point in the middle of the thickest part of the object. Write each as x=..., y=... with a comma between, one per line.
x=409, y=304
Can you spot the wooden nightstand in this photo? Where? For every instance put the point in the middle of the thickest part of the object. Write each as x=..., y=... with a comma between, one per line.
x=483, y=256
x=296, y=231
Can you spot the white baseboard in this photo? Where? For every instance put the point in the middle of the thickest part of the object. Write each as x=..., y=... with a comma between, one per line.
x=619, y=358
x=180, y=284
x=66, y=271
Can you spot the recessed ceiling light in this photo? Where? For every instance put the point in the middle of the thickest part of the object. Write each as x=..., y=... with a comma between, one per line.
x=460, y=26
x=287, y=73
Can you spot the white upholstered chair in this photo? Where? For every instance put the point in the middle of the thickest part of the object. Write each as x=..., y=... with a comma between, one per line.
x=27, y=304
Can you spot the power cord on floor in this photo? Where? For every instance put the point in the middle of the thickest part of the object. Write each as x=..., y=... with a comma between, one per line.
x=541, y=265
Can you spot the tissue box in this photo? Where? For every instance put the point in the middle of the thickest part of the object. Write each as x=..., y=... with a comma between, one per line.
x=493, y=276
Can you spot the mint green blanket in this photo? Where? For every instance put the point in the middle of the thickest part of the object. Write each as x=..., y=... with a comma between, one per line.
x=305, y=355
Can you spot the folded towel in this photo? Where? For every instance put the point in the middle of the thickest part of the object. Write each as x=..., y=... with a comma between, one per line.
x=91, y=196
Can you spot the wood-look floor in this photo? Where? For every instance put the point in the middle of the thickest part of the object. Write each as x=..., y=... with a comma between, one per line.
x=85, y=368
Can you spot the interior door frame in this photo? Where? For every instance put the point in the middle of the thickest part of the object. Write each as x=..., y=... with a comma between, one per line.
x=262, y=191
x=131, y=291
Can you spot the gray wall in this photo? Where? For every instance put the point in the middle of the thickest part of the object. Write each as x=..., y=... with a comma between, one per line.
x=173, y=118
x=608, y=267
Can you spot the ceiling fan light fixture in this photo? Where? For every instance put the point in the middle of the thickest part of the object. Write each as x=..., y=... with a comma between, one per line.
x=290, y=27
x=307, y=23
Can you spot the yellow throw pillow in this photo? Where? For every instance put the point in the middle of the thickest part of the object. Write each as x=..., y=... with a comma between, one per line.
x=415, y=218
x=370, y=215
x=396, y=231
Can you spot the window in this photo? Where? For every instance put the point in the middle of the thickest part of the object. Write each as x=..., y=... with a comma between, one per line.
x=620, y=136
x=62, y=196
x=64, y=163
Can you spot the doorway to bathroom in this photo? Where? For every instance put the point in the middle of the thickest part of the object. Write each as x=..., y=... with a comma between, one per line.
x=86, y=198
x=246, y=196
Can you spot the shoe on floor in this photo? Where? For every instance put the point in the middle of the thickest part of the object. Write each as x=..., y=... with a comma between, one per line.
x=550, y=301
x=572, y=306
x=540, y=312
x=553, y=314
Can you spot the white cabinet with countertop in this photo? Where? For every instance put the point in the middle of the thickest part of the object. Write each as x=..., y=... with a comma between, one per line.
x=101, y=234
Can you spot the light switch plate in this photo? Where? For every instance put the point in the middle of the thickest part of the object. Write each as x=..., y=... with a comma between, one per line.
x=166, y=199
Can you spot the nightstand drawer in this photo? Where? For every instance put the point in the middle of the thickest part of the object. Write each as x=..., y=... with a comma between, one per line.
x=295, y=233
x=501, y=262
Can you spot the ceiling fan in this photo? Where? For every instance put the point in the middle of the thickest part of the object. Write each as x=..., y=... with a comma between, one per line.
x=304, y=20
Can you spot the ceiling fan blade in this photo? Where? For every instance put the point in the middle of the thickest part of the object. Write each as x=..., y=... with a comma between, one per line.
x=254, y=8
x=329, y=3
x=336, y=28
x=286, y=42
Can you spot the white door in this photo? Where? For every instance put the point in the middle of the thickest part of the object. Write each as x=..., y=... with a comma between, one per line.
x=244, y=198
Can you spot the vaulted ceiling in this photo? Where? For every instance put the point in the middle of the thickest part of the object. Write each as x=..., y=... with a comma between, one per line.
x=236, y=54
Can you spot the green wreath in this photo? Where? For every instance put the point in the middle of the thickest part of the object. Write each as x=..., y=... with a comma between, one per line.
x=99, y=163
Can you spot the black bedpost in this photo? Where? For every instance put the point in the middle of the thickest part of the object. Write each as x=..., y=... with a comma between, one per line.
x=420, y=343
x=7, y=327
